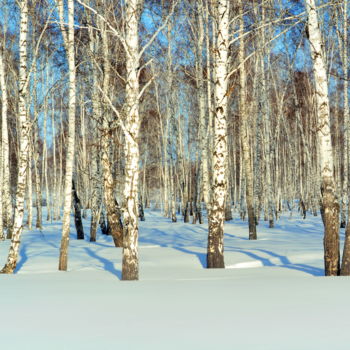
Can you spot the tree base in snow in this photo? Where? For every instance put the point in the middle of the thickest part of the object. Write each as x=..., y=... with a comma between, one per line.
x=215, y=261
x=8, y=268
x=130, y=273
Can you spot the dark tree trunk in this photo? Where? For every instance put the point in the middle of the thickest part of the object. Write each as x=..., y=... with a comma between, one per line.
x=303, y=209
x=77, y=213
x=228, y=211
x=103, y=226
x=186, y=213
x=199, y=213
x=343, y=224
x=252, y=223
x=141, y=211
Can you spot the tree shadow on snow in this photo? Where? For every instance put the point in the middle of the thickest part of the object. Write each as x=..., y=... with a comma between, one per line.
x=181, y=243
x=23, y=258
x=176, y=242
x=107, y=264
x=285, y=262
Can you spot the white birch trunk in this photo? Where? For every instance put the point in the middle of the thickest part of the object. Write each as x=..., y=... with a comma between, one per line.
x=209, y=102
x=245, y=133
x=346, y=116
x=345, y=266
x=113, y=213
x=6, y=200
x=215, y=253
x=36, y=153
x=30, y=190
x=69, y=44
x=55, y=203
x=130, y=268
x=329, y=201
x=203, y=120
x=24, y=142
x=44, y=162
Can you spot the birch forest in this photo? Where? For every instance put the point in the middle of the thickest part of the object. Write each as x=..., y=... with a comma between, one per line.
x=203, y=110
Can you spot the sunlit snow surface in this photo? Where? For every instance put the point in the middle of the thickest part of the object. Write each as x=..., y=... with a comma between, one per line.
x=271, y=295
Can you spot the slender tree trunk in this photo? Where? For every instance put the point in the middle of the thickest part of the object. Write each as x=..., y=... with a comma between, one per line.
x=30, y=190
x=3, y=117
x=245, y=134
x=77, y=213
x=6, y=200
x=345, y=266
x=54, y=190
x=24, y=142
x=130, y=268
x=329, y=201
x=215, y=253
x=2, y=237
x=346, y=113
x=69, y=44
x=203, y=122
x=113, y=212
x=36, y=154
x=96, y=195
x=44, y=162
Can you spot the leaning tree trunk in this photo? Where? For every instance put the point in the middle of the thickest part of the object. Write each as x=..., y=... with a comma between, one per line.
x=330, y=206
x=215, y=253
x=69, y=45
x=24, y=142
x=130, y=268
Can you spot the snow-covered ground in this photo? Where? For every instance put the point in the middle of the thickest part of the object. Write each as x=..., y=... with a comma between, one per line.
x=271, y=295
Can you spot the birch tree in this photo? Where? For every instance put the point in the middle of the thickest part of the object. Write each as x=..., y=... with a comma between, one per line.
x=3, y=117
x=6, y=198
x=68, y=36
x=245, y=138
x=330, y=206
x=130, y=268
x=215, y=252
x=24, y=125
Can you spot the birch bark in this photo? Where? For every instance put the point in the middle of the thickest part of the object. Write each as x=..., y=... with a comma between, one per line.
x=7, y=209
x=345, y=266
x=215, y=251
x=30, y=189
x=330, y=204
x=245, y=134
x=130, y=268
x=203, y=120
x=36, y=154
x=24, y=142
x=69, y=44
x=113, y=213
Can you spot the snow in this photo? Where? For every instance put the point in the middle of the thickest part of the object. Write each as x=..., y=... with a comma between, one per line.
x=271, y=295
